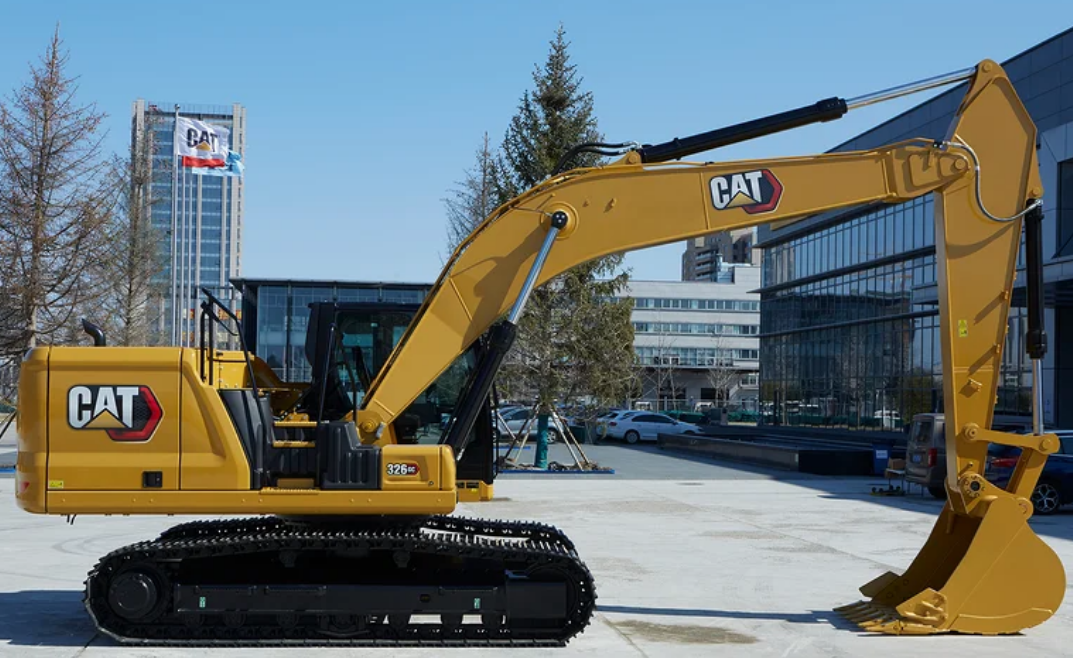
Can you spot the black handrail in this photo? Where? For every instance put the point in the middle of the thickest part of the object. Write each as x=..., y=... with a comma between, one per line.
x=328, y=362
x=266, y=423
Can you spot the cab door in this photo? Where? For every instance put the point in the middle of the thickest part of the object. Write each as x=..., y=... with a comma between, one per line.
x=113, y=418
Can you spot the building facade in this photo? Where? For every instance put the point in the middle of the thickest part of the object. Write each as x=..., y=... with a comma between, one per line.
x=849, y=321
x=697, y=342
x=704, y=256
x=200, y=225
x=275, y=314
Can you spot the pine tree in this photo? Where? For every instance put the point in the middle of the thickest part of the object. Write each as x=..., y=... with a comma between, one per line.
x=575, y=340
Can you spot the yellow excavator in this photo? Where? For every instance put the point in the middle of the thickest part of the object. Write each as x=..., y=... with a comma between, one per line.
x=347, y=536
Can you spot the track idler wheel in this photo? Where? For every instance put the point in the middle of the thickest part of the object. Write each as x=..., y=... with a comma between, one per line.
x=136, y=594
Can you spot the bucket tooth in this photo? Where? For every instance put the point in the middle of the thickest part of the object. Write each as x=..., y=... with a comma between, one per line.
x=876, y=618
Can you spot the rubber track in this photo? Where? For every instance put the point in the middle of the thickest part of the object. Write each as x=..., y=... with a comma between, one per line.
x=233, y=537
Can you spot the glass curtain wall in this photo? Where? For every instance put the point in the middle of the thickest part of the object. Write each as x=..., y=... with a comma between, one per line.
x=849, y=326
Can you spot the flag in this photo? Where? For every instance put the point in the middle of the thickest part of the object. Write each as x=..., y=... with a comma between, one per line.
x=233, y=167
x=200, y=144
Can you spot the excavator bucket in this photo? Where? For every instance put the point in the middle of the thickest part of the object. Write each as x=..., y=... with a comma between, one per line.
x=989, y=575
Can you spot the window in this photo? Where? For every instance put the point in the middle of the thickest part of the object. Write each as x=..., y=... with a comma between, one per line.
x=1067, y=445
x=698, y=304
x=1065, y=209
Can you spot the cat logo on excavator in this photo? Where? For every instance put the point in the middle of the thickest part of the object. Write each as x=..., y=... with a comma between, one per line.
x=755, y=192
x=125, y=413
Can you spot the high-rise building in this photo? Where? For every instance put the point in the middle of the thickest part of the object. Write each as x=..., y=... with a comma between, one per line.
x=704, y=256
x=200, y=225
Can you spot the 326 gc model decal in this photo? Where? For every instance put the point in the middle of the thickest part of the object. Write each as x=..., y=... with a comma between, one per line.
x=125, y=413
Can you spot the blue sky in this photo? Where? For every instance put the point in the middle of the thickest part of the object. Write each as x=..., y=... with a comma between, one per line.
x=362, y=116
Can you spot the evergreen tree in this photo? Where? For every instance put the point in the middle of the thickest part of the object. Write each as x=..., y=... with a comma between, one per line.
x=575, y=341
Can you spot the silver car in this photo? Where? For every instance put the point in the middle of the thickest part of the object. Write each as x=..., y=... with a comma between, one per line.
x=516, y=419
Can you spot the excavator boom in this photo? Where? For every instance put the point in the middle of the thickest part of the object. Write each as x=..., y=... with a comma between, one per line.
x=983, y=569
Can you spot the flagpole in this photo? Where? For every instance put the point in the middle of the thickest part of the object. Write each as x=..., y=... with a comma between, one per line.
x=197, y=253
x=181, y=300
x=186, y=257
x=174, y=211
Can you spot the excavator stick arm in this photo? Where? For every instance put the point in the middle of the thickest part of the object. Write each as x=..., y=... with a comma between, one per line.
x=983, y=569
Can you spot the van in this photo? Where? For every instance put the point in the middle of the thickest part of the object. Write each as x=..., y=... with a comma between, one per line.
x=925, y=454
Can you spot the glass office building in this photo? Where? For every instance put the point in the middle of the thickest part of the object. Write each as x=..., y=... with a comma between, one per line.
x=275, y=314
x=849, y=317
x=201, y=229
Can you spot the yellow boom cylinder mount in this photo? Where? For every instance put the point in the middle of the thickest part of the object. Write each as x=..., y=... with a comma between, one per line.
x=983, y=569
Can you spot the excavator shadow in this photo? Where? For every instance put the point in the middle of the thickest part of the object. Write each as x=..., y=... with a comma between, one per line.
x=811, y=617
x=45, y=618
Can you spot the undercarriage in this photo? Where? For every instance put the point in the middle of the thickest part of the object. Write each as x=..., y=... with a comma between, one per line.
x=274, y=581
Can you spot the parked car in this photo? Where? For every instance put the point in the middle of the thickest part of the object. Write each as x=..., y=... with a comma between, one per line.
x=646, y=426
x=515, y=418
x=604, y=420
x=1055, y=485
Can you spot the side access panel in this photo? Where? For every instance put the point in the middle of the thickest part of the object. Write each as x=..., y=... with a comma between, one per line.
x=113, y=419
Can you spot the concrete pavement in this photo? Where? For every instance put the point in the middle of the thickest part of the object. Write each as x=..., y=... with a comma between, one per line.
x=749, y=564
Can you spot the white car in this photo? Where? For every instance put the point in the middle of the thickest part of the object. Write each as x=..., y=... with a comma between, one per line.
x=646, y=426
x=515, y=419
x=603, y=422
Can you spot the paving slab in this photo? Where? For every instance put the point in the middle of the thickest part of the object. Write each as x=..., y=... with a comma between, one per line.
x=746, y=565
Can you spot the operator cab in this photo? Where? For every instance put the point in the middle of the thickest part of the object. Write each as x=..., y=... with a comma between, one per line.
x=311, y=438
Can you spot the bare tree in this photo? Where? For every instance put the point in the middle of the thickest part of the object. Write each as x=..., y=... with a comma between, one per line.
x=723, y=377
x=56, y=202
x=131, y=305
x=475, y=197
x=854, y=365
x=663, y=373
